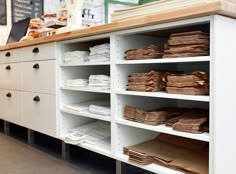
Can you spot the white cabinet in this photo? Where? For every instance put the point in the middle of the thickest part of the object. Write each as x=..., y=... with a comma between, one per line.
x=39, y=76
x=10, y=109
x=39, y=112
x=10, y=76
x=39, y=52
x=25, y=71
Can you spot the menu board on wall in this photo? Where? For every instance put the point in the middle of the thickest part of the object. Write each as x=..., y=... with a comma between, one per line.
x=3, y=12
x=22, y=9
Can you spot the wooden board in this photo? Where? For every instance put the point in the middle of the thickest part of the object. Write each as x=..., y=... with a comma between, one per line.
x=185, y=13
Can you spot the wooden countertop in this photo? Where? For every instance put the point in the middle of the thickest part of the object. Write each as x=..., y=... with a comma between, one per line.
x=185, y=13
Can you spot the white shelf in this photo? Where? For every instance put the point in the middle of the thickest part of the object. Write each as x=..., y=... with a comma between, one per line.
x=103, y=150
x=85, y=64
x=151, y=167
x=166, y=60
x=87, y=114
x=85, y=89
x=165, y=129
x=166, y=95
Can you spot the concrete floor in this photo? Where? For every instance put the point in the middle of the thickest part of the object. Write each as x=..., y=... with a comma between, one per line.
x=17, y=157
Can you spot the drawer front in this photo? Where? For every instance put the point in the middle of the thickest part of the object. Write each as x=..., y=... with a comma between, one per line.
x=39, y=52
x=11, y=56
x=39, y=112
x=39, y=76
x=10, y=76
x=11, y=106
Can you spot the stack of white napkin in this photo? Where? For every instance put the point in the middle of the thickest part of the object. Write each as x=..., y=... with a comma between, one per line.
x=76, y=57
x=99, y=81
x=95, y=133
x=77, y=83
x=99, y=53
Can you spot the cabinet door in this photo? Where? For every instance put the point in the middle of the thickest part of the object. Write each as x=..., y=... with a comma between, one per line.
x=39, y=112
x=11, y=106
x=10, y=76
x=11, y=56
x=39, y=52
x=39, y=76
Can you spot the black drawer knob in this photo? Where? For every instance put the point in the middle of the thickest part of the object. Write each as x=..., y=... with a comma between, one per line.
x=8, y=94
x=35, y=50
x=8, y=54
x=36, y=99
x=36, y=66
x=8, y=67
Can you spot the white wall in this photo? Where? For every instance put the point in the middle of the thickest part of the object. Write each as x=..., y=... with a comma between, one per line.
x=49, y=6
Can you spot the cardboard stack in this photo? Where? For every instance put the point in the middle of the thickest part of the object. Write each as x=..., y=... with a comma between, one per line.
x=191, y=121
x=195, y=83
x=151, y=118
x=148, y=52
x=178, y=153
x=187, y=44
x=180, y=119
x=147, y=82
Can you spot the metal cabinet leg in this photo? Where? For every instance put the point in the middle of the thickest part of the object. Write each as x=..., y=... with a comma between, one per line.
x=30, y=137
x=65, y=151
x=6, y=127
x=120, y=167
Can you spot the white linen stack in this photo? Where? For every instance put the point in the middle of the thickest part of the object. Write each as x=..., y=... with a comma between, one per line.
x=99, y=53
x=100, y=110
x=99, y=81
x=77, y=83
x=99, y=107
x=76, y=57
x=95, y=133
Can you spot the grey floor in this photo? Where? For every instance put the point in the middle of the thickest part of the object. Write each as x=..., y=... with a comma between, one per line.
x=17, y=157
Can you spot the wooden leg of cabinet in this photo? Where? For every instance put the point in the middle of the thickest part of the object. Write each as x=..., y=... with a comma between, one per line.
x=65, y=151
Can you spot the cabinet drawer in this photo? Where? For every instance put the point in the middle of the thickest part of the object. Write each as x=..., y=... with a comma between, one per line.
x=39, y=112
x=39, y=52
x=39, y=76
x=10, y=109
x=10, y=56
x=10, y=76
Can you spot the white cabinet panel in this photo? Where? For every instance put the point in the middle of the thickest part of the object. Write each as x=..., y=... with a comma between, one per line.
x=11, y=56
x=39, y=76
x=39, y=112
x=11, y=106
x=39, y=52
x=10, y=76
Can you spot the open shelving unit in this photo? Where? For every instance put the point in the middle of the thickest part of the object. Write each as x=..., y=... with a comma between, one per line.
x=126, y=133
x=70, y=95
x=123, y=132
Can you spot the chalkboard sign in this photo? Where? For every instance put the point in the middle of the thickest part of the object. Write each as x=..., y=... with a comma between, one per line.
x=3, y=12
x=22, y=9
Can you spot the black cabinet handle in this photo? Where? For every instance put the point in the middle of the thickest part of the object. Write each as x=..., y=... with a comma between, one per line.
x=35, y=50
x=8, y=67
x=36, y=66
x=36, y=99
x=8, y=94
x=8, y=54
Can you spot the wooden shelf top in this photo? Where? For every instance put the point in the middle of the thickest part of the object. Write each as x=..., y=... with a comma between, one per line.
x=185, y=13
